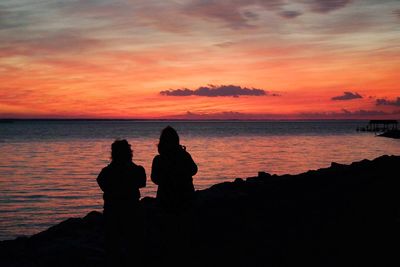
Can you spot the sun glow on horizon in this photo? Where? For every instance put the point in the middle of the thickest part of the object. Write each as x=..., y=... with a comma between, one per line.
x=111, y=59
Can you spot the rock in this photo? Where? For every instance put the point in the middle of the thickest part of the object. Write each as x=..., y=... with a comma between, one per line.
x=341, y=215
x=391, y=134
x=336, y=165
x=239, y=181
x=264, y=175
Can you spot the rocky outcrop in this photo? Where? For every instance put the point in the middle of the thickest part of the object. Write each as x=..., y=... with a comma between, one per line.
x=341, y=215
x=391, y=134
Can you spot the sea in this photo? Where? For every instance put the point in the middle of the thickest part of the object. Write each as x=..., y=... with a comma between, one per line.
x=48, y=168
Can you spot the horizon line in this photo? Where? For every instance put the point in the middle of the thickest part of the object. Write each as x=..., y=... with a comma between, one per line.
x=175, y=119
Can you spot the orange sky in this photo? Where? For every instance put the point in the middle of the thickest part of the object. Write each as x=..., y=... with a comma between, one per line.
x=111, y=59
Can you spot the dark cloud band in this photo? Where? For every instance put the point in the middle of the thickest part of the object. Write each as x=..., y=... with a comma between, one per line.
x=347, y=96
x=325, y=6
x=289, y=14
x=385, y=102
x=217, y=90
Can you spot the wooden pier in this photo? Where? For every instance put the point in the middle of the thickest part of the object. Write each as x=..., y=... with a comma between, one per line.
x=379, y=126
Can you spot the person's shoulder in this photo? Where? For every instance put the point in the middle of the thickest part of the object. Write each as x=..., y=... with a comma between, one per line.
x=140, y=168
x=156, y=158
x=185, y=153
x=106, y=168
x=137, y=167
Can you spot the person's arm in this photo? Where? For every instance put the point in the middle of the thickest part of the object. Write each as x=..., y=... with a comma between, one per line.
x=141, y=177
x=190, y=165
x=156, y=174
x=101, y=180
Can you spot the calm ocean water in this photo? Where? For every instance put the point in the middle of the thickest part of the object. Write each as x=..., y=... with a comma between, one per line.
x=48, y=169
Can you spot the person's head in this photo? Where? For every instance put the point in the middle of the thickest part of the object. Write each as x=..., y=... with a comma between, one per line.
x=169, y=140
x=121, y=151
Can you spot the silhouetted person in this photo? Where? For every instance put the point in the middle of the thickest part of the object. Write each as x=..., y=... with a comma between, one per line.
x=120, y=182
x=172, y=171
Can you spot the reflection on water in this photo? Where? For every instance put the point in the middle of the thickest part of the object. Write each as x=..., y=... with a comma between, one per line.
x=45, y=180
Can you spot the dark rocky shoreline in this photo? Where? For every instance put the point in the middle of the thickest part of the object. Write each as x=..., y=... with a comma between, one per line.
x=391, y=134
x=344, y=215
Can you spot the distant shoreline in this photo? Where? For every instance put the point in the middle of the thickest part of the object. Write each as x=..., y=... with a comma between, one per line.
x=10, y=120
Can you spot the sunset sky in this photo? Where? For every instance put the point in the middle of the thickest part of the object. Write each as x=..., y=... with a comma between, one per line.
x=200, y=59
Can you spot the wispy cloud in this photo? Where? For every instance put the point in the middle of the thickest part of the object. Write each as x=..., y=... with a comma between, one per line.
x=55, y=54
x=325, y=6
x=235, y=115
x=217, y=90
x=289, y=14
x=347, y=114
x=347, y=96
x=397, y=13
x=365, y=112
x=234, y=14
x=231, y=12
x=385, y=102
